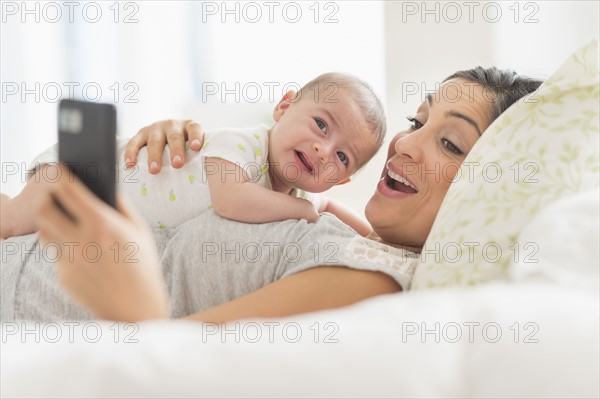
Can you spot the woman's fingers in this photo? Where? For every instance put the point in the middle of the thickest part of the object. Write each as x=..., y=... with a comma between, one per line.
x=176, y=136
x=77, y=199
x=133, y=147
x=192, y=132
x=156, y=144
x=83, y=206
x=53, y=224
x=119, y=277
x=152, y=136
x=157, y=135
x=195, y=135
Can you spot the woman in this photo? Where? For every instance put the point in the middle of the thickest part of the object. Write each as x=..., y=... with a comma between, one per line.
x=401, y=212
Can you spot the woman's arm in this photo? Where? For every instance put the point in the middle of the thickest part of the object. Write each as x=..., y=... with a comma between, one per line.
x=108, y=260
x=123, y=281
x=346, y=215
x=157, y=135
x=311, y=290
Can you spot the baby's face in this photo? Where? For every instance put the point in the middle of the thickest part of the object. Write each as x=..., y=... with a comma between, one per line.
x=318, y=140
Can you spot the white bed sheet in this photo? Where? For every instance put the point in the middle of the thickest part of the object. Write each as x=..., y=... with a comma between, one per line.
x=377, y=353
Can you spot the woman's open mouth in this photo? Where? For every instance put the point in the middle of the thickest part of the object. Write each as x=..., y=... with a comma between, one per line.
x=394, y=185
x=304, y=161
x=399, y=183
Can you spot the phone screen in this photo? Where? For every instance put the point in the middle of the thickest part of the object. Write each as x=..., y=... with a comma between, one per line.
x=87, y=144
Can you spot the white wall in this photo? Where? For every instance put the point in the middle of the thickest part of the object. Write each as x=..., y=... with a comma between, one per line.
x=296, y=53
x=149, y=54
x=421, y=51
x=396, y=46
x=539, y=47
x=169, y=52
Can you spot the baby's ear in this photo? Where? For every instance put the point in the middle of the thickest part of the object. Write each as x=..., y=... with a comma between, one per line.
x=346, y=180
x=283, y=104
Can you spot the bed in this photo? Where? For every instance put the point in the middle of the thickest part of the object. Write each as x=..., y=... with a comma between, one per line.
x=519, y=322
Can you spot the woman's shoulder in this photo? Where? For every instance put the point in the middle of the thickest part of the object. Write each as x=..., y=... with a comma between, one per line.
x=339, y=245
x=328, y=221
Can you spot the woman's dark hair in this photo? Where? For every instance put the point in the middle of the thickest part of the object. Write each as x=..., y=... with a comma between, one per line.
x=505, y=86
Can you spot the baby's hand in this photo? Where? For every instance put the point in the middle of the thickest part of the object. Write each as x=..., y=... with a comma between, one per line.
x=312, y=214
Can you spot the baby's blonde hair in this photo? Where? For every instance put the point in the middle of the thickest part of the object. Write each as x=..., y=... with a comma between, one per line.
x=361, y=93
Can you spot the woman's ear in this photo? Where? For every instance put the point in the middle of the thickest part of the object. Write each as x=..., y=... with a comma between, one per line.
x=283, y=104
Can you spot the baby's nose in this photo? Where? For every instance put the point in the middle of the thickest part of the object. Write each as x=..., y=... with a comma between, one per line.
x=323, y=151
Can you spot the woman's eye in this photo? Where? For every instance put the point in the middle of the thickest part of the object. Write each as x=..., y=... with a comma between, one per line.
x=343, y=157
x=451, y=147
x=414, y=123
x=322, y=125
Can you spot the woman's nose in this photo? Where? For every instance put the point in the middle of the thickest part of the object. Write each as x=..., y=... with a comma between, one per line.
x=409, y=145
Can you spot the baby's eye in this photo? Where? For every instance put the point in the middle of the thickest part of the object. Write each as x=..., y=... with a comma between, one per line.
x=322, y=125
x=450, y=146
x=414, y=123
x=343, y=157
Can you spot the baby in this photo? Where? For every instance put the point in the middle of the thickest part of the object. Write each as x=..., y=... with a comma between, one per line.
x=322, y=135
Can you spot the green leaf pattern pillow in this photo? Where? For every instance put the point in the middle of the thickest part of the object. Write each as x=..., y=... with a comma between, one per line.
x=543, y=148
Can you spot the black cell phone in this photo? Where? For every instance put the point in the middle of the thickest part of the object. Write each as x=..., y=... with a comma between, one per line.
x=87, y=144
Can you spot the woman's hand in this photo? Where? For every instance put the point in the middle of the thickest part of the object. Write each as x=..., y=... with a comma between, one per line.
x=107, y=260
x=155, y=136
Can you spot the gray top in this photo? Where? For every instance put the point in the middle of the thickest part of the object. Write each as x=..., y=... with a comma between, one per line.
x=206, y=261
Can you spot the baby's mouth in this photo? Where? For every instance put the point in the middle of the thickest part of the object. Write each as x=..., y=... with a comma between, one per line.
x=399, y=183
x=304, y=161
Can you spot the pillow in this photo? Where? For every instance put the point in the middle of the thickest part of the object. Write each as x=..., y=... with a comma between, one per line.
x=543, y=148
x=571, y=223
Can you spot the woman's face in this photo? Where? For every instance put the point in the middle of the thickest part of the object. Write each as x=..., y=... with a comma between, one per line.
x=423, y=160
